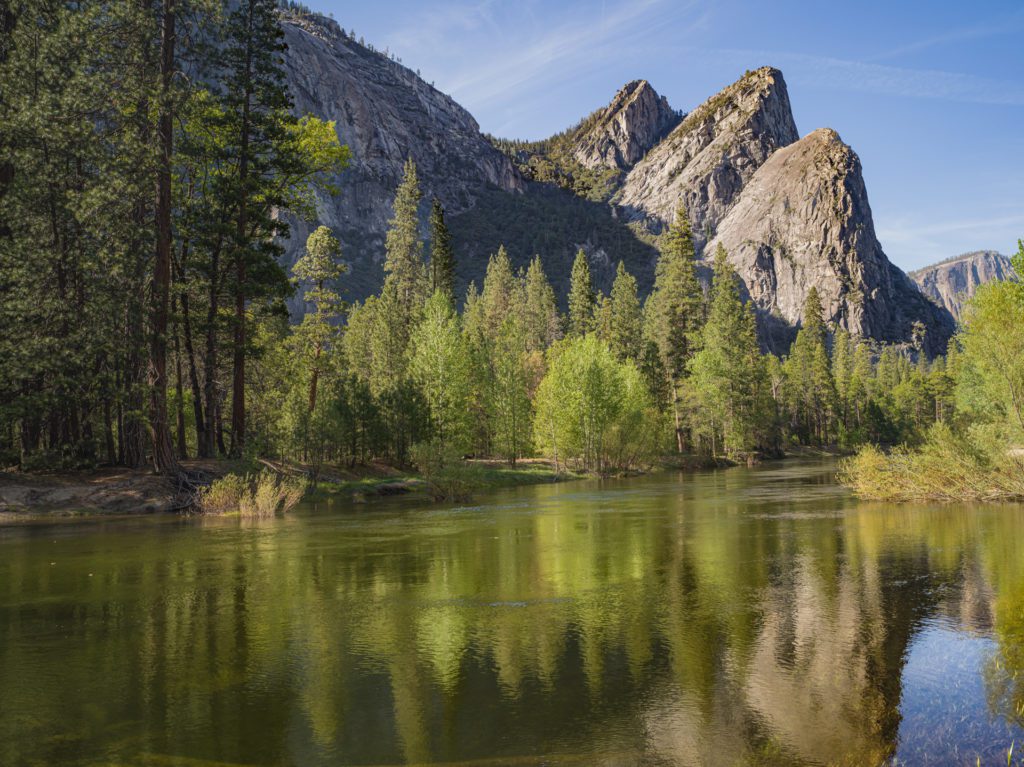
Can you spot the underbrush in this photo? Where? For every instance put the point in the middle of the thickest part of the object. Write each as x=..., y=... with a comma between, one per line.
x=251, y=495
x=444, y=471
x=973, y=466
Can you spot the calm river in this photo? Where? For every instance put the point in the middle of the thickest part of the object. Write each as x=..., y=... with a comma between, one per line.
x=749, y=616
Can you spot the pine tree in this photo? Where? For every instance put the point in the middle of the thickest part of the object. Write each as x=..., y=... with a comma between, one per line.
x=403, y=263
x=842, y=371
x=582, y=300
x=442, y=255
x=501, y=294
x=809, y=374
x=540, y=310
x=319, y=267
x=626, y=321
x=255, y=95
x=405, y=282
x=674, y=313
x=508, y=400
x=439, y=363
x=727, y=376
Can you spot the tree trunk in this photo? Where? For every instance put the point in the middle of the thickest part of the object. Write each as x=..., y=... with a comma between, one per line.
x=241, y=256
x=680, y=442
x=164, y=461
x=313, y=380
x=203, y=448
x=210, y=359
x=179, y=389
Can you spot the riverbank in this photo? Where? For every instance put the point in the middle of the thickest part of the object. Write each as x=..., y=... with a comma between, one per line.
x=128, y=492
x=120, y=491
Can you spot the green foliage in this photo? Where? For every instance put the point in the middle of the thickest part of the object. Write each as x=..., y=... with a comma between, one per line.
x=405, y=284
x=592, y=411
x=809, y=384
x=440, y=366
x=971, y=452
x=542, y=324
x=509, y=404
x=673, y=313
x=991, y=375
x=552, y=161
x=731, y=401
x=316, y=336
x=253, y=495
x=554, y=224
x=442, y=256
x=947, y=467
x=582, y=301
x=624, y=326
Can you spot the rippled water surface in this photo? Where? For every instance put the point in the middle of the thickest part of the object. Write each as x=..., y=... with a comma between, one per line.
x=749, y=616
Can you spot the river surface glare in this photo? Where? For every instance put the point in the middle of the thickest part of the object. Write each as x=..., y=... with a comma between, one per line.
x=741, y=617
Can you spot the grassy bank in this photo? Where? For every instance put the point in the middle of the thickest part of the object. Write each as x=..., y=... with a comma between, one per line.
x=117, y=491
x=473, y=476
x=945, y=468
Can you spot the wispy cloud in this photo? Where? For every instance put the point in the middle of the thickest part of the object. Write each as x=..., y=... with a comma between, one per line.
x=913, y=83
x=916, y=243
x=995, y=28
x=840, y=74
x=531, y=47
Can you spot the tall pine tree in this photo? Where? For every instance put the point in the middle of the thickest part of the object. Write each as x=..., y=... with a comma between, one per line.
x=674, y=312
x=442, y=255
x=582, y=300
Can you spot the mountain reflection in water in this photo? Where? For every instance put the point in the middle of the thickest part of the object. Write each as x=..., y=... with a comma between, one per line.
x=748, y=616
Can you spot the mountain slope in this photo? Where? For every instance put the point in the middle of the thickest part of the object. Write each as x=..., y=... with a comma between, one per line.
x=708, y=158
x=951, y=282
x=621, y=134
x=791, y=212
x=803, y=220
x=385, y=113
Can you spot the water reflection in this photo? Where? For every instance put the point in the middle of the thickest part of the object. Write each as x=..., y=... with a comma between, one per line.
x=741, y=617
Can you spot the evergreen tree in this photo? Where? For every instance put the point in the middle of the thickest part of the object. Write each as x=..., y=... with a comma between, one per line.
x=674, y=311
x=405, y=283
x=440, y=365
x=540, y=310
x=809, y=375
x=442, y=255
x=273, y=157
x=582, y=300
x=842, y=372
x=403, y=263
x=501, y=294
x=728, y=379
x=319, y=267
x=508, y=400
x=626, y=322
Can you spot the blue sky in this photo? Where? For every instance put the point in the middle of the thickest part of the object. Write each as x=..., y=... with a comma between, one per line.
x=929, y=94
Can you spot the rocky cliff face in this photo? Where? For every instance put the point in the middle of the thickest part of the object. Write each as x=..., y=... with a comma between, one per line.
x=620, y=135
x=385, y=114
x=792, y=213
x=709, y=157
x=803, y=220
x=952, y=282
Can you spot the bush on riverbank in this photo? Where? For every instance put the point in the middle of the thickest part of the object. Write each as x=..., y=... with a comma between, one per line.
x=974, y=466
x=448, y=476
x=252, y=495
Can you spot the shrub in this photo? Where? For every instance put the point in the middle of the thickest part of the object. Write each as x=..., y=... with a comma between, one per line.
x=253, y=495
x=442, y=467
x=947, y=467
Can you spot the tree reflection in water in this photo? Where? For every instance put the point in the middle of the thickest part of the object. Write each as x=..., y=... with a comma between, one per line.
x=741, y=617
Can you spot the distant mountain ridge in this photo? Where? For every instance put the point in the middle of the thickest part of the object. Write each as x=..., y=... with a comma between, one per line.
x=951, y=282
x=791, y=212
